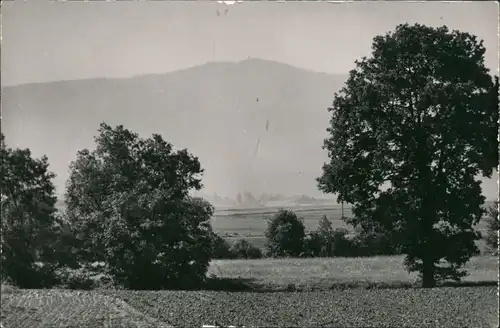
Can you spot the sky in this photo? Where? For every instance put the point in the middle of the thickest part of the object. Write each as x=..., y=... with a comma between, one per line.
x=51, y=41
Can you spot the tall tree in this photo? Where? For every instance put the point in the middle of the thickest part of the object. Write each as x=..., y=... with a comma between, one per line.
x=28, y=226
x=412, y=128
x=129, y=203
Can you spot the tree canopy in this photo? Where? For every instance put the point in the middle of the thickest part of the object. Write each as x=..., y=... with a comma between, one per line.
x=493, y=226
x=285, y=234
x=29, y=221
x=129, y=203
x=414, y=125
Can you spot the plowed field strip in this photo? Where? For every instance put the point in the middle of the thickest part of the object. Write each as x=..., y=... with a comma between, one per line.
x=65, y=309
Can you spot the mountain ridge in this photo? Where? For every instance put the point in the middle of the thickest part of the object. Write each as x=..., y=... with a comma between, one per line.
x=256, y=125
x=193, y=67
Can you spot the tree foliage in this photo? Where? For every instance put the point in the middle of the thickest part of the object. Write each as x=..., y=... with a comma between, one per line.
x=243, y=249
x=493, y=226
x=285, y=234
x=325, y=234
x=375, y=241
x=221, y=249
x=29, y=220
x=410, y=131
x=328, y=242
x=129, y=203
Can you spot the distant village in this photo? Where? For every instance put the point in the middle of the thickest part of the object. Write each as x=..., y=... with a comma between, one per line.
x=248, y=200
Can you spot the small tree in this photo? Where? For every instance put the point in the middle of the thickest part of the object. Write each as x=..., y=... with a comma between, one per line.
x=327, y=242
x=285, y=234
x=220, y=248
x=243, y=249
x=326, y=234
x=325, y=227
x=409, y=133
x=128, y=201
x=29, y=221
x=493, y=226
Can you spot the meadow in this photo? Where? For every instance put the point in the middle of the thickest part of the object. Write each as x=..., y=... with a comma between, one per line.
x=251, y=224
x=328, y=292
x=306, y=292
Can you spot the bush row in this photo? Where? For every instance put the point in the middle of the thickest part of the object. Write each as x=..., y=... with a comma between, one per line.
x=241, y=249
x=286, y=237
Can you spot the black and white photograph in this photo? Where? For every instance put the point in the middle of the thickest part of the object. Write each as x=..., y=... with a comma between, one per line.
x=249, y=164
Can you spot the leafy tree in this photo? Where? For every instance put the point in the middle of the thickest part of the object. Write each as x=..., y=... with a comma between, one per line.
x=29, y=220
x=242, y=249
x=129, y=201
x=410, y=131
x=285, y=234
x=493, y=226
x=325, y=234
x=325, y=227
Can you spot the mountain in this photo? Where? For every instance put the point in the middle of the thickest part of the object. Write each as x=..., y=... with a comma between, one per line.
x=256, y=125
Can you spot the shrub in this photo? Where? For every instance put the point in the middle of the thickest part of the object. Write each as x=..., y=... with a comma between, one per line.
x=313, y=244
x=243, y=249
x=221, y=249
x=373, y=242
x=285, y=235
x=326, y=242
x=76, y=279
x=342, y=245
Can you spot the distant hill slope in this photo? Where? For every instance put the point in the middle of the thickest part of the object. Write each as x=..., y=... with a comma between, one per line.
x=256, y=125
x=219, y=111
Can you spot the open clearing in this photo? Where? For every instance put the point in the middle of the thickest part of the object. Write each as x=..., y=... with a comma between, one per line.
x=250, y=224
x=253, y=222
x=328, y=273
x=321, y=299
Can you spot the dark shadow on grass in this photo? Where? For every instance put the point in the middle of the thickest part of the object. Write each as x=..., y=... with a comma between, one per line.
x=412, y=285
x=252, y=285
x=487, y=283
x=233, y=285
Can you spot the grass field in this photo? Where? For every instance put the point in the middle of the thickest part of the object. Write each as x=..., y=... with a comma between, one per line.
x=330, y=273
x=252, y=223
x=318, y=292
x=320, y=299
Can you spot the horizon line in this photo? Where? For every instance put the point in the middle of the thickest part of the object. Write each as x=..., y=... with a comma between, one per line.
x=233, y=62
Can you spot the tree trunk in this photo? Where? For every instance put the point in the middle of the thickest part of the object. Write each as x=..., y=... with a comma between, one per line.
x=427, y=256
x=427, y=217
x=428, y=279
